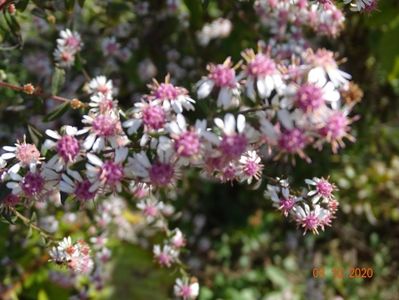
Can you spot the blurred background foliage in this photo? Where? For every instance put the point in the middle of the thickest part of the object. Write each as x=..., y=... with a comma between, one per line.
x=240, y=249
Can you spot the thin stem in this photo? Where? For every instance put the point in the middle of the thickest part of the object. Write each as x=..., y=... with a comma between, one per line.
x=35, y=92
x=29, y=223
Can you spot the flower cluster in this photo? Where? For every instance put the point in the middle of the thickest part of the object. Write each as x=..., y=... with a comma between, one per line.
x=313, y=209
x=288, y=16
x=68, y=45
x=275, y=104
x=76, y=256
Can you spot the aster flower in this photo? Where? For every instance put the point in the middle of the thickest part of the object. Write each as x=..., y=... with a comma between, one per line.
x=70, y=40
x=322, y=189
x=281, y=197
x=76, y=256
x=66, y=145
x=288, y=139
x=162, y=172
x=101, y=85
x=235, y=138
x=324, y=67
x=261, y=72
x=151, y=208
x=64, y=57
x=72, y=183
x=310, y=97
x=170, y=96
x=109, y=173
x=250, y=167
x=177, y=240
x=311, y=219
x=36, y=183
x=223, y=77
x=334, y=127
x=151, y=115
x=186, y=290
x=165, y=255
x=103, y=129
x=102, y=104
x=26, y=155
x=187, y=142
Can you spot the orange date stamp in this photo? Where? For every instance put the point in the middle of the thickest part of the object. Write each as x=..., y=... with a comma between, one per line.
x=340, y=273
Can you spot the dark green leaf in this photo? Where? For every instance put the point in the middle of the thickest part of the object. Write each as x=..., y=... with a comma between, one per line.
x=81, y=3
x=57, y=81
x=56, y=113
x=35, y=134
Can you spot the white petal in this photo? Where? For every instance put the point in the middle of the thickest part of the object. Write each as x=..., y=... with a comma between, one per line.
x=53, y=134
x=94, y=159
x=205, y=89
x=240, y=123
x=229, y=124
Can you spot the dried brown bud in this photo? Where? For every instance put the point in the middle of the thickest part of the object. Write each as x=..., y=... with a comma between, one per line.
x=29, y=89
x=352, y=94
x=51, y=19
x=76, y=104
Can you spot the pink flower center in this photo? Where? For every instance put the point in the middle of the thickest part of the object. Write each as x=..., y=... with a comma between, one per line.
x=166, y=91
x=185, y=292
x=112, y=173
x=150, y=210
x=324, y=188
x=154, y=117
x=103, y=89
x=82, y=191
x=233, y=145
x=164, y=259
x=251, y=168
x=310, y=222
x=32, y=184
x=309, y=97
x=68, y=148
x=223, y=76
x=261, y=66
x=187, y=144
x=336, y=126
x=27, y=154
x=292, y=140
x=161, y=174
x=72, y=42
x=286, y=204
x=66, y=56
x=105, y=126
x=229, y=173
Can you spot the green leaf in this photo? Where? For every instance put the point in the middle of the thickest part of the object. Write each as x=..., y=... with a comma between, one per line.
x=57, y=81
x=35, y=134
x=58, y=112
x=21, y=5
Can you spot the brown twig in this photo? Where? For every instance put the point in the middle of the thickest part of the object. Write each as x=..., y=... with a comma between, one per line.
x=31, y=90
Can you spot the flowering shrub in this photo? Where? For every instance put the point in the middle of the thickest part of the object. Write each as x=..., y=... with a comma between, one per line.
x=230, y=122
